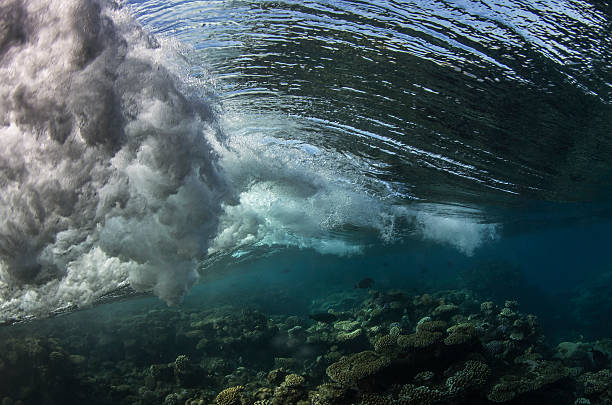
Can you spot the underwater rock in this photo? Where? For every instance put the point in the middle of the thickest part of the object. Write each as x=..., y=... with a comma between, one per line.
x=263, y=396
x=195, y=401
x=216, y=365
x=535, y=375
x=423, y=320
x=575, y=354
x=506, y=389
x=182, y=365
x=507, y=313
x=591, y=306
x=293, y=381
x=424, y=301
x=296, y=332
x=365, y=283
x=495, y=348
x=162, y=372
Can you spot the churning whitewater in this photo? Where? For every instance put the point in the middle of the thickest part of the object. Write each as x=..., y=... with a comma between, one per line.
x=108, y=173
x=115, y=171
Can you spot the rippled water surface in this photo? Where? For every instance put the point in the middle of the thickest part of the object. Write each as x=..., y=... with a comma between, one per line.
x=463, y=101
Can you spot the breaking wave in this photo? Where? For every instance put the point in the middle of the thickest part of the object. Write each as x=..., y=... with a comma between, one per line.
x=118, y=168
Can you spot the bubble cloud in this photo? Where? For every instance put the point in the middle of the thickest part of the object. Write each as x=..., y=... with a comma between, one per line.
x=107, y=175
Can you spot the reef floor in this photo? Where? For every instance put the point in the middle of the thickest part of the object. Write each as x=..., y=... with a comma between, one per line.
x=379, y=347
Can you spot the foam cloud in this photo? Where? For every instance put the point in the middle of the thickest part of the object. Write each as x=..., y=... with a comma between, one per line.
x=107, y=175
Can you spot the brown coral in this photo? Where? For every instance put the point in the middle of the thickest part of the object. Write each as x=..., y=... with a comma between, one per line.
x=506, y=389
x=386, y=344
x=419, y=340
x=351, y=369
x=474, y=374
x=230, y=396
x=432, y=326
x=293, y=380
x=328, y=394
x=419, y=395
x=460, y=334
x=291, y=391
x=445, y=310
x=375, y=399
x=537, y=374
x=596, y=383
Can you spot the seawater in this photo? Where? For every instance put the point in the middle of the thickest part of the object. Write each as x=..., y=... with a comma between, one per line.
x=249, y=162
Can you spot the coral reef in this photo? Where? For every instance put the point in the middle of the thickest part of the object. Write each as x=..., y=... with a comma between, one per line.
x=352, y=369
x=389, y=348
x=230, y=396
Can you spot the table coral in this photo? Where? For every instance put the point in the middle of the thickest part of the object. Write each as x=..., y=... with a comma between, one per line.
x=473, y=375
x=230, y=396
x=350, y=369
x=419, y=340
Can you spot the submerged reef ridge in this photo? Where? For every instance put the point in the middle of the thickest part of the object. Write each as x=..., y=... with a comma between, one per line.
x=442, y=348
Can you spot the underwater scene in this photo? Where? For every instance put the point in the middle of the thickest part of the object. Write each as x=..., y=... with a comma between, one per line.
x=318, y=202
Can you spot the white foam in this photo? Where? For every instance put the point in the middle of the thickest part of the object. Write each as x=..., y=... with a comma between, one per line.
x=107, y=173
x=456, y=226
x=293, y=194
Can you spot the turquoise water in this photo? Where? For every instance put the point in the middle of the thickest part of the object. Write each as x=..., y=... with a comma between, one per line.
x=204, y=178
x=497, y=113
